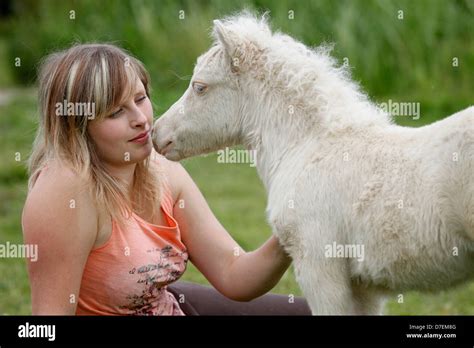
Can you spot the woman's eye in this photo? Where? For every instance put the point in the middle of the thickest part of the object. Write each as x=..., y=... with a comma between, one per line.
x=139, y=100
x=116, y=113
x=199, y=88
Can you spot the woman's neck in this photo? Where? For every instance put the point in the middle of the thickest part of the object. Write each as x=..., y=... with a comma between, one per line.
x=122, y=172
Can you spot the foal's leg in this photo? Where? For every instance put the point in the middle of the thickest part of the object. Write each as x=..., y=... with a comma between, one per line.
x=367, y=301
x=326, y=285
x=325, y=281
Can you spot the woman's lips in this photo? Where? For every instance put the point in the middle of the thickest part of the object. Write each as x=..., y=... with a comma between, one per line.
x=141, y=139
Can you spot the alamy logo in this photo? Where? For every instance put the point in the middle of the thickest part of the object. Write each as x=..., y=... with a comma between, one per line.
x=335, y=250
x=228, y=155
x=393, y=108
x=75, y=109
x=37, y=331
x=29, y=251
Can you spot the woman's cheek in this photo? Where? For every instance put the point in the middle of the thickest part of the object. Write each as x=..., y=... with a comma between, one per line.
x=114, y=131
x=110, y=141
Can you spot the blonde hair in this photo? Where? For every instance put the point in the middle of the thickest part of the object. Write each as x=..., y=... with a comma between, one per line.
x=102, y=75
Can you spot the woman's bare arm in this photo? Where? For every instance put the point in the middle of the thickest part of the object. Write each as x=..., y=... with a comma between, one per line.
x=58, y=216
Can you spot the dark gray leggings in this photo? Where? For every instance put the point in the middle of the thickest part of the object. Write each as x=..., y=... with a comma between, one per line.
x=203, y=300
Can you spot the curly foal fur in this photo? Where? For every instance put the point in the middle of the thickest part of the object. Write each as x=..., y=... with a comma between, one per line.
x=336, y=168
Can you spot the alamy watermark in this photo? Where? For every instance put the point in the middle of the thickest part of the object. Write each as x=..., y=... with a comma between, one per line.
x=75, y=109
x=228, y=155
x=393, y=108
x=335, y=250
x=28, y=330
x=29, y=251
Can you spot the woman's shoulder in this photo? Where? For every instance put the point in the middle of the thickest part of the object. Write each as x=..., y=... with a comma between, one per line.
x=59, y=198
x=59, y=180
x=59, y=221
x=171, y=171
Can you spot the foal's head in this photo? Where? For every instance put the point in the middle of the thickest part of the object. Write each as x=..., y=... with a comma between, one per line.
x=208, y=115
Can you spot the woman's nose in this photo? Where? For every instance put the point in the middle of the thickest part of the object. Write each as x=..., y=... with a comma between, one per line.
x=139, y=118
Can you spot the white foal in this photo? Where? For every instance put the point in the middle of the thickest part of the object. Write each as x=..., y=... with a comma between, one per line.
x=363, y=206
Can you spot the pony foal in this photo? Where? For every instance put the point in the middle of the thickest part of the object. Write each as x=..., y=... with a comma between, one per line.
x=364, y=207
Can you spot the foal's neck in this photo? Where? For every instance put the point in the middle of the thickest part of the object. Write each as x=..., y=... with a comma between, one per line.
x=274, y=135
x=275, y=128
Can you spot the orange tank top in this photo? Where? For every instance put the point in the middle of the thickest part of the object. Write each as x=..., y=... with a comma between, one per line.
x=128, y=275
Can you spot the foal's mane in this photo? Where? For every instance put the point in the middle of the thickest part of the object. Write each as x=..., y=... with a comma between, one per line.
x=308, y=78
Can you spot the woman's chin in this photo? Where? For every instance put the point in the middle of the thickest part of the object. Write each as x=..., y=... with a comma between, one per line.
x=138, y=155
x=146, y=150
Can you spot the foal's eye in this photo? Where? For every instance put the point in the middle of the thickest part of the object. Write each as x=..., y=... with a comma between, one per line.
x=199, y=87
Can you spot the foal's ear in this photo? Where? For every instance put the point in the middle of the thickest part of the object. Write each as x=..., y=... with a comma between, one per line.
x=229, y=41
x=223, y=35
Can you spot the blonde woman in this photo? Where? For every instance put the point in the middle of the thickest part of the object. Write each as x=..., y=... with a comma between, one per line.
x=114, y=222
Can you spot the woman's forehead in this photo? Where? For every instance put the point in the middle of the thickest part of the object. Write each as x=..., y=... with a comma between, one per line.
x=132, y=89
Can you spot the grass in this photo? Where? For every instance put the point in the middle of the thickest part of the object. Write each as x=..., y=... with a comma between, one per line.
x=382, y=39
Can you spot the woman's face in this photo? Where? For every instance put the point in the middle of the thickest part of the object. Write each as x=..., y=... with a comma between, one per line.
x=114, y=135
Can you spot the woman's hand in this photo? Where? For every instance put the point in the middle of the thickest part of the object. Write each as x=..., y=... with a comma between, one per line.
x=255, y=273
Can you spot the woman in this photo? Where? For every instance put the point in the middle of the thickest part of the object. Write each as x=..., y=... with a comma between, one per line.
x=114, y=222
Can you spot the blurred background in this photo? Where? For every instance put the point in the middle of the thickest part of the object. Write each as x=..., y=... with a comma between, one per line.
x=405, y=51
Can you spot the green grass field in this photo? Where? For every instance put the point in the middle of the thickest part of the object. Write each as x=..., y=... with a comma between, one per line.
x=405, y=56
